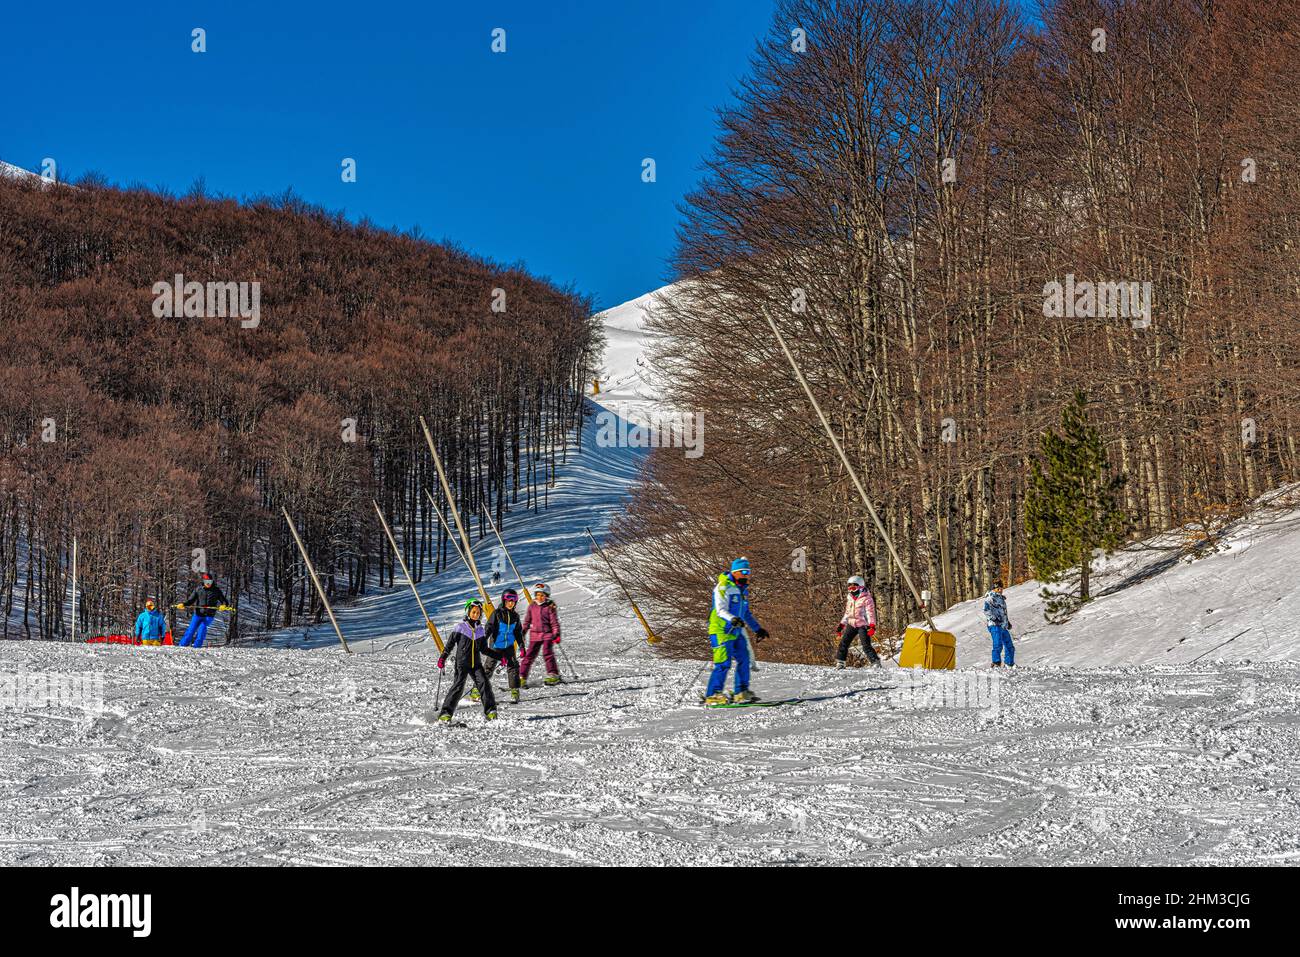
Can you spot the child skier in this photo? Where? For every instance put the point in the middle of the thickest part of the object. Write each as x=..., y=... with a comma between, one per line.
x=858, y=621
x=727, y=621
x=505, y=639
x=205, y=600
x=995, y=616
x=542, y=628
x=150, y=625
x=470, y=649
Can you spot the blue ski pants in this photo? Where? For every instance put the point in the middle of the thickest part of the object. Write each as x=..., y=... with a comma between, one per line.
x=725, y=650
x=1002, y=644
x=197, y=631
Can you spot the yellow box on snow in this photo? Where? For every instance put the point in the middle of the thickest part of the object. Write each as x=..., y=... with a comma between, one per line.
x=928, y=649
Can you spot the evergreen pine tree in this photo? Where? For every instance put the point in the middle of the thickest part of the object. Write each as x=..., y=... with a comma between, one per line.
x=1072, y=507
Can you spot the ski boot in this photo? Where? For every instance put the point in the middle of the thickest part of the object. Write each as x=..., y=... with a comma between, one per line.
x=551, y=681
x=720, y=698
x=523, y=683
x=514, y=695
x=473, y=694
x=444, y=718
x=997, y=664
x=490, y=716
x=839, y=665
x=743, y=696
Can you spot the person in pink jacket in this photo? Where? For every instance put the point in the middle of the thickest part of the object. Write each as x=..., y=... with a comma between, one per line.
x=859, y=621
x=542, y=629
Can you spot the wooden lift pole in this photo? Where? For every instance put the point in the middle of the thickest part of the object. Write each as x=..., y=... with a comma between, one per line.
x=455, y=513
x=433, y=629
x=315, y=581
x=650, y=636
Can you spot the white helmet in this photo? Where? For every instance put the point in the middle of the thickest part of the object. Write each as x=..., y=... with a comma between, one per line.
x=857, y=580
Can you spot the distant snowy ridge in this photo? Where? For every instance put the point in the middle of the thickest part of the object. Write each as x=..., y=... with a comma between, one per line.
x=17, y=172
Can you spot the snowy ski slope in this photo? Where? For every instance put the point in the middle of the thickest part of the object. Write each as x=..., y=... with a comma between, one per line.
x=293, y=752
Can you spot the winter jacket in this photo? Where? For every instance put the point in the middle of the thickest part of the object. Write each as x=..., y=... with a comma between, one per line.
x=859, y=610
x=995, y=611
x=467, y=647
x=204, y=601
x=542, y=621
x=504, y=629
x=730, y=608
x=150, y=626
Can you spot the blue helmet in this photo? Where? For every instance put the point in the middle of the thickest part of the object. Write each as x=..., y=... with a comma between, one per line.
x=740, y=565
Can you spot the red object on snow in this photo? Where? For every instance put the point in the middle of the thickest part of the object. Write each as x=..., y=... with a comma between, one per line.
x=113, y=640
x=167, y=639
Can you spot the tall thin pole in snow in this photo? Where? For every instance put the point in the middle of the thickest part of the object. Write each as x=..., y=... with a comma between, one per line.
x=74, y=588
x=315, y=581
x=853, y=473
x=513, y=566
x=455, y=513
x=433, y=629
x=650, y=636
x=451, y=536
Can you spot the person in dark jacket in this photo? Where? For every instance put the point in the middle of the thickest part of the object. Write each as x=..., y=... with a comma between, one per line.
x=204, y=601
x=505, y=638
x=468, y=648
x=542, y=629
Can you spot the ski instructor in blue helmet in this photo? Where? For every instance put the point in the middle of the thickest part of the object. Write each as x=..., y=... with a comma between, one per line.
x=727, y=623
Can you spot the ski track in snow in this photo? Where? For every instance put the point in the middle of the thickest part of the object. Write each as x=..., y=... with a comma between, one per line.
x=291, y=752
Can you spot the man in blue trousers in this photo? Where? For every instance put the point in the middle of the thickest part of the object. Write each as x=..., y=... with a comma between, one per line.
x=995, y=616
x=727, y=623
x=204, y=601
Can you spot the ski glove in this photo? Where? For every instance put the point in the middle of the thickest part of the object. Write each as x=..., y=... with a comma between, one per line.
x=839, y=630
x=442, y=663
x=760, y=634
x=871, y=631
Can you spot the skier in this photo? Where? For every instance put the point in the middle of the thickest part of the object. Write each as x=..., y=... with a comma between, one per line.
x=505, y=640
x=470, y=648
x=150, y=625
x=995, y=616
x=859, y=621
x=542, y=628
x=727, y=621
x=205, y=601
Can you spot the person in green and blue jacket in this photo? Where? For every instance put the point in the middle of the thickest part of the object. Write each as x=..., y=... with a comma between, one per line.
x=727, y=623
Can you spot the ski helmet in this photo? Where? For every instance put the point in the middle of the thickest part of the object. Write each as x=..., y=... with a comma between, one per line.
x=542, y=588
x=509, y=595
x=857, y=582
x=471, y=604
x=149, y=603
x=740, y=566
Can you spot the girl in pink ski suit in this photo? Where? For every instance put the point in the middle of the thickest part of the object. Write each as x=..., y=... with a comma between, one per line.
x=542, y=629
x=859, y=621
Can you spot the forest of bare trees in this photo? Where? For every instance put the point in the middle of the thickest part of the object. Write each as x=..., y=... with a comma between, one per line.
x=164, y=445
x=899, y=193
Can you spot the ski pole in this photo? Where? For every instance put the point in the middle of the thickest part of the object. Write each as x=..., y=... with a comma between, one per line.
x=437, y=695
x=694, y=678
x=565, y=656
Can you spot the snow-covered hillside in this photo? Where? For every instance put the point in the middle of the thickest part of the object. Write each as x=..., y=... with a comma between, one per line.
x=627, y=375
x=1153, y=606
x=16, y=172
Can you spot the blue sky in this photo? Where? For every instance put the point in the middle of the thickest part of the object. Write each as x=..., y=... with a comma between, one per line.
x=529, y=156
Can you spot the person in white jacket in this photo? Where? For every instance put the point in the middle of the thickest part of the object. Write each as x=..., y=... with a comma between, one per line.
x=859, y=621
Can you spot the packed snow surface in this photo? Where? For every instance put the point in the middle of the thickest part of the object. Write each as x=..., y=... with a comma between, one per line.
x=1131, y=735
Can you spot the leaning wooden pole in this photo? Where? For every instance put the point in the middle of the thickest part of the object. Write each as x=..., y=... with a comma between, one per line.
x=455, y=513
x=315, y=580
x=513, y=567
x=853, y=473
x=433, y=629
x=650, y=636
x=451, y=536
